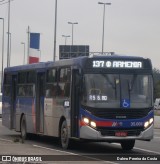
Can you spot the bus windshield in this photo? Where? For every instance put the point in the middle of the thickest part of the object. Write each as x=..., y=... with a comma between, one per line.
x=117, y=90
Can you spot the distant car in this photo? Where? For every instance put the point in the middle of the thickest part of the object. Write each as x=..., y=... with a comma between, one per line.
x=157, y=104
x=0, y=104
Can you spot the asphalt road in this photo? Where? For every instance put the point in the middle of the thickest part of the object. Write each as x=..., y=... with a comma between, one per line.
x=11, y=145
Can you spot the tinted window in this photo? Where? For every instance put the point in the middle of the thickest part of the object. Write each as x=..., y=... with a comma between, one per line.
x=31, y=77
x=65, y=82
x=22, y=77
x=7, y=79
x=51, y=75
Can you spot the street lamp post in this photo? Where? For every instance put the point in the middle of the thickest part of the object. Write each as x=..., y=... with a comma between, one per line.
x=55, y=31
x=104, y=4
x=24, y=52
x=72, y=23
x=65, y=36
x=9, y=51
x=8, y=45
x=2, y=52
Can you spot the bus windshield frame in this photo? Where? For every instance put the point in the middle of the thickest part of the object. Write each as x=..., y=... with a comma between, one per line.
x=117, y=90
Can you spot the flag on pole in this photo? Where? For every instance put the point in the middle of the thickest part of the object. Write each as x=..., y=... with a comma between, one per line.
x=34, y=53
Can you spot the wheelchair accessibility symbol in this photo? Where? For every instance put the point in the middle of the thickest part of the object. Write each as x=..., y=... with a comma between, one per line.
x=125, y=103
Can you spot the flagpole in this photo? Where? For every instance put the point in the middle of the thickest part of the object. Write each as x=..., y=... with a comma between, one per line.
x=28, y=33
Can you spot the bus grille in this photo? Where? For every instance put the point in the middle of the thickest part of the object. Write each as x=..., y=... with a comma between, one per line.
x=109, y=132
x=119, y=113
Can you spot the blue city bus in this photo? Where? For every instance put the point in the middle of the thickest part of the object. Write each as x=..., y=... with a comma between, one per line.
x=99, y=98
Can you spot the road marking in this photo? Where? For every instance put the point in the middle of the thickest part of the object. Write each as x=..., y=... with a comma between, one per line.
x=54, y=149
x=156, y=133
x=149, y=151
x=5, y=140
x=157, y=137
x=74, y=154
x=146, y=150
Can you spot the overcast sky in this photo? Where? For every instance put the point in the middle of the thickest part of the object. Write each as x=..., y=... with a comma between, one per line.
x=132, y=27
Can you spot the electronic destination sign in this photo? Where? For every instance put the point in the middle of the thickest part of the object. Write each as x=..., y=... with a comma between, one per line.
x=117, y=64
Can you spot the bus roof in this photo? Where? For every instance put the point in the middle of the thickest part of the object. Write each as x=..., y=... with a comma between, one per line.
x=79, y=61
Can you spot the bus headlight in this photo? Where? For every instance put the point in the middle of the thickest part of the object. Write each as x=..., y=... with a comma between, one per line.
x=86, y=120
x=146, y=124
x=149, y=122
x=89, y=122
x=93, y=124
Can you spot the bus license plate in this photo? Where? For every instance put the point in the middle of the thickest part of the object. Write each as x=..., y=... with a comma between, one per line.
x=121, y=134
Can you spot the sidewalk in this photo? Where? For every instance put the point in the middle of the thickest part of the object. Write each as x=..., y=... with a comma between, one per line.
x=157, y=122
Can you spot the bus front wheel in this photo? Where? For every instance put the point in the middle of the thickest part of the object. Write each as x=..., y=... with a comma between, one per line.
x=64, y=135
x=128, y=144
x=23, y=128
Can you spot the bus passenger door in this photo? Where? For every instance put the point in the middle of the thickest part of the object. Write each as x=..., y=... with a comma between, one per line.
x=40, y=102
x=75, y=105
x=13, y=102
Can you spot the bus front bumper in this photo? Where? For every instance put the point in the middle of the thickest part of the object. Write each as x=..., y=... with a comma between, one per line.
x=89, y=133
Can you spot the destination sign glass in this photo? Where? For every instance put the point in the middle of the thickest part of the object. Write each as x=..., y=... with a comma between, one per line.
x=117, y=64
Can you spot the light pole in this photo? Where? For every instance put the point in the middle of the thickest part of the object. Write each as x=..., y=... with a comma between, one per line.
x=9, y=50
x=2, y=52
x=8, y=45
x=65, y=36
x=104, y=4
x=55, y=31
x=9, y=57
x=24, y=52
x=72, y=23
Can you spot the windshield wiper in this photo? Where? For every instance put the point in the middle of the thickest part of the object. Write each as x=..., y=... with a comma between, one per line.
x=131, y=84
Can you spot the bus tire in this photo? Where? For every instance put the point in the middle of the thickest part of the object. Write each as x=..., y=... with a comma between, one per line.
x=128, y=144
x=23, y=128
x=64, y=139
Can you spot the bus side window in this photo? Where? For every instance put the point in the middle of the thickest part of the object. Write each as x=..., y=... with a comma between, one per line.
x=67, y=89
x=21, y=91
x=50, y=90
x=64, y=83
x=58, y=90
x=29, y=90
x=51, y=75
x=7, y=90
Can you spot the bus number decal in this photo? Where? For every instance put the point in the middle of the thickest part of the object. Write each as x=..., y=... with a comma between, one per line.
x=136, y=123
